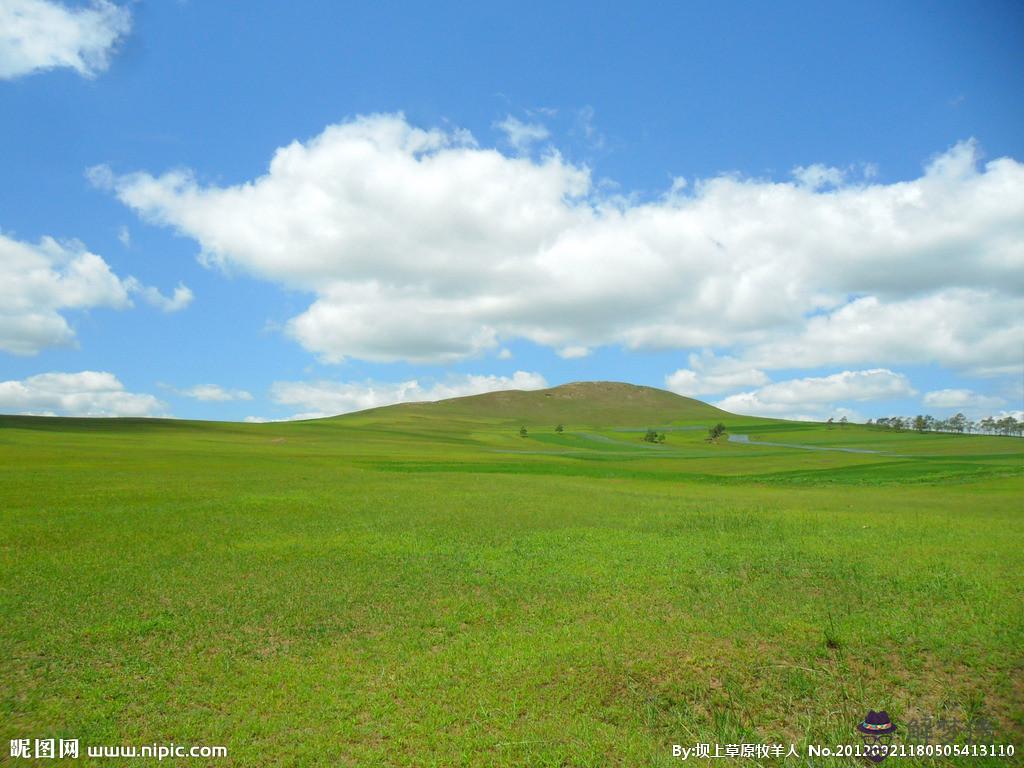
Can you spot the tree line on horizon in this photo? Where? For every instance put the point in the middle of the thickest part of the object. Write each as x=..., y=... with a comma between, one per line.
x=957, y=424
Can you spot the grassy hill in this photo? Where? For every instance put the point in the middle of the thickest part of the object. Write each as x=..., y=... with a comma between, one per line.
x=594, y=403
x=419, y=585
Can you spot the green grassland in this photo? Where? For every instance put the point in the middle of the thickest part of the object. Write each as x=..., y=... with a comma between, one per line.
x=419, y=585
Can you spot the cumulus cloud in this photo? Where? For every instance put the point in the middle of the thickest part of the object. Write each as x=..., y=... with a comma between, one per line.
x=181, y=298
x=88, y=393
x=814, y=396
x=817, y=176
x=39, y=34
x=978, y=330
x=214, y=393
x=327, y=398
x=38, y=282
x=709, y=374
x=420, y=245
x=960, y=398
x=522, y=135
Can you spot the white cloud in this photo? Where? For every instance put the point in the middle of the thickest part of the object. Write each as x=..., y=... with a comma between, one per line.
x=377, y=322
x=815, y=396
x=960, y=398
x=980, y=330
x=182, y=295
x=522, y=135
x=39, y=282
x=505, y=354
x=710, y=374
x=818, y=176
x=214, y=393
x=573, y=352
x=585, y=125
x=88, y=393
x=822, y=413
x=327, y=398
x=125, y=236
x=38, y=35
x=421, y=246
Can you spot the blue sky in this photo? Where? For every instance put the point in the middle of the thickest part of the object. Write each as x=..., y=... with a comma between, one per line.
x=484, y=197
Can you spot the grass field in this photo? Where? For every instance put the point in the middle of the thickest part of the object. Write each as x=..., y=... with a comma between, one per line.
x=419, y=585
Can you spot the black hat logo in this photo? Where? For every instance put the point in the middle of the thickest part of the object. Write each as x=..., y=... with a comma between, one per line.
x=876, y=730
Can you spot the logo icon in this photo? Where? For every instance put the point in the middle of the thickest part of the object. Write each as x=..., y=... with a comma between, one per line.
x=876, y=730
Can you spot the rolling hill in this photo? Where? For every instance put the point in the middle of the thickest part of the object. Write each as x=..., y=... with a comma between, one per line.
x=590, y=403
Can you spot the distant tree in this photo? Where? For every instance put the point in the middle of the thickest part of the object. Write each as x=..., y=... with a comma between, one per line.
x=883, y=422
x=897, y=423
x=651, y=436
x=830, y=422
x=716, y=431
x=661, y=438
x=920, y=423
x=988, y=424
x=1008, y=425
x=522, y=432
x=958, y=423
x=559, y=429
x=929, y=422
x=843, y=421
